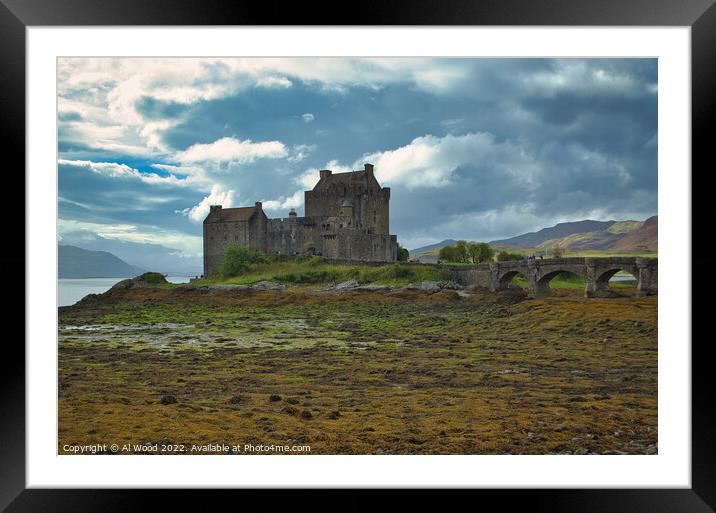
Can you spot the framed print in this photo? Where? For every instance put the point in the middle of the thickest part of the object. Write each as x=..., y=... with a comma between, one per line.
x=419, y=251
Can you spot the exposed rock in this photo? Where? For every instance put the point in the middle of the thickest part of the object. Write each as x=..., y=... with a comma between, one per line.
x=168, y=399
x=306, y=415
x=237, y=399
x=373, y=288
x=268, y=285
x=226, y=288
x=436, y=286
x=426, y=286
x=274, y=398
x=346, y=285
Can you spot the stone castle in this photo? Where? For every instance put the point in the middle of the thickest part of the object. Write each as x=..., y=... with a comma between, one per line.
x=346, y=218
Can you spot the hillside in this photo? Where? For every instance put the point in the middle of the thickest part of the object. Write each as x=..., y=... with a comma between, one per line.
x=74, y=262
x=429, y=254
x=643, y=238
x=595, y=237
x=558, y=231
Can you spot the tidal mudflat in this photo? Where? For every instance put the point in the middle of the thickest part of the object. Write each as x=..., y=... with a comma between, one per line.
x=400, y=372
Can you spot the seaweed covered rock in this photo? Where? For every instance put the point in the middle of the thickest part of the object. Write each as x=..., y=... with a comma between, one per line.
x=143, y=280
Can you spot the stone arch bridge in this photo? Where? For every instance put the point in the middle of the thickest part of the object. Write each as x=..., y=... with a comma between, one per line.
x=539, y=272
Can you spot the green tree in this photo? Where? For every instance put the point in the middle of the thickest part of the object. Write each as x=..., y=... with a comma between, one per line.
x=557, y=251
x=504, y=256
x=479, y=252
x=238, y=260
x=403, y=254
x=456, y=253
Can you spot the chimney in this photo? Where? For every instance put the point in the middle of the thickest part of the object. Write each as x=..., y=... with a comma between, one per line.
x=325, y=173
x=368, y=169
x=214, y=207
x=258, y=205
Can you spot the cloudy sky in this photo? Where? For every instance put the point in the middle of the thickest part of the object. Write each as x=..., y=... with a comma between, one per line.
x=478, y=149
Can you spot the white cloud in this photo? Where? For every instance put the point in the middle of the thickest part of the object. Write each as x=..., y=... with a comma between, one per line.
x=309, y=178
x=430, y=161
x=301, y=152
x=293, y=201
x=273, y=82
x=581, y=77
x=122, y=171
x=229, y=149
x=198, y=213
x=189, y=245
x=106, y=91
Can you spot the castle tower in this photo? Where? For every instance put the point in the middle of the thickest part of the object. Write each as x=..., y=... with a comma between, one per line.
x=369, y=201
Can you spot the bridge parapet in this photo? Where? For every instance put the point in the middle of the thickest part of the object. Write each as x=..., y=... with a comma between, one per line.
x=596, y=272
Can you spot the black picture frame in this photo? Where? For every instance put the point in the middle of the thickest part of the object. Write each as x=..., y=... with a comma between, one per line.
x=700, y=15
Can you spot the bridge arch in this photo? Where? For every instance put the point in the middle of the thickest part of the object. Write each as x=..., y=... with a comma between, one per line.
x=600, y=285
x=505, y=279
x=544, y=277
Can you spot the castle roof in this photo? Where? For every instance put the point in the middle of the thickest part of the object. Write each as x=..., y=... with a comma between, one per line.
x=223, y=215
x=349, y=178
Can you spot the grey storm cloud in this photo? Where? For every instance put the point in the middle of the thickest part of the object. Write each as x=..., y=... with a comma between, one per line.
x=472, y=148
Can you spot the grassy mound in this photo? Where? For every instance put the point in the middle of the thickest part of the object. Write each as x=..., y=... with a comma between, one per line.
x=152, y=278
x=314, y=270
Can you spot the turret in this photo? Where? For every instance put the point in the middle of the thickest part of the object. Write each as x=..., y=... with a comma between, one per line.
x=325, y=173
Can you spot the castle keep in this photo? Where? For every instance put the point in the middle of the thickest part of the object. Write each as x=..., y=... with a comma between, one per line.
x=346, y=218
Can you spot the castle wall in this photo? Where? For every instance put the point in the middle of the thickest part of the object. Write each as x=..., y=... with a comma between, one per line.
x=219, y=236
x=293, y=236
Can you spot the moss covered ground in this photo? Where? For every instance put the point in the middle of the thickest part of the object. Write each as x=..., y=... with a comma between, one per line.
x=361, y=373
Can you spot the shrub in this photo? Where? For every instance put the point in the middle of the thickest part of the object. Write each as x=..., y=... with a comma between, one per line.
x=504, y=256
x=314, y=261
x=238, y=261
x=463, y=252
x=456, y=253
x=403, y=254
x=398, y=271
x=479, y=252
x=153, y=278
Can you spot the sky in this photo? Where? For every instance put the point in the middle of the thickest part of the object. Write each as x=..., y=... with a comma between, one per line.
x=476, y=149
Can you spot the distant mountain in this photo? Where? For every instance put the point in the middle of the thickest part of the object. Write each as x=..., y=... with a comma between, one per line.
x=429, y=254
x=429, y=247
x=644, y=238
x=591, y=237
x=146, y=255
x=76, y=262
x=558, y=231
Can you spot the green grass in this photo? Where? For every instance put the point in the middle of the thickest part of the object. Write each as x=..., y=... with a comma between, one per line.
x=315, y=271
